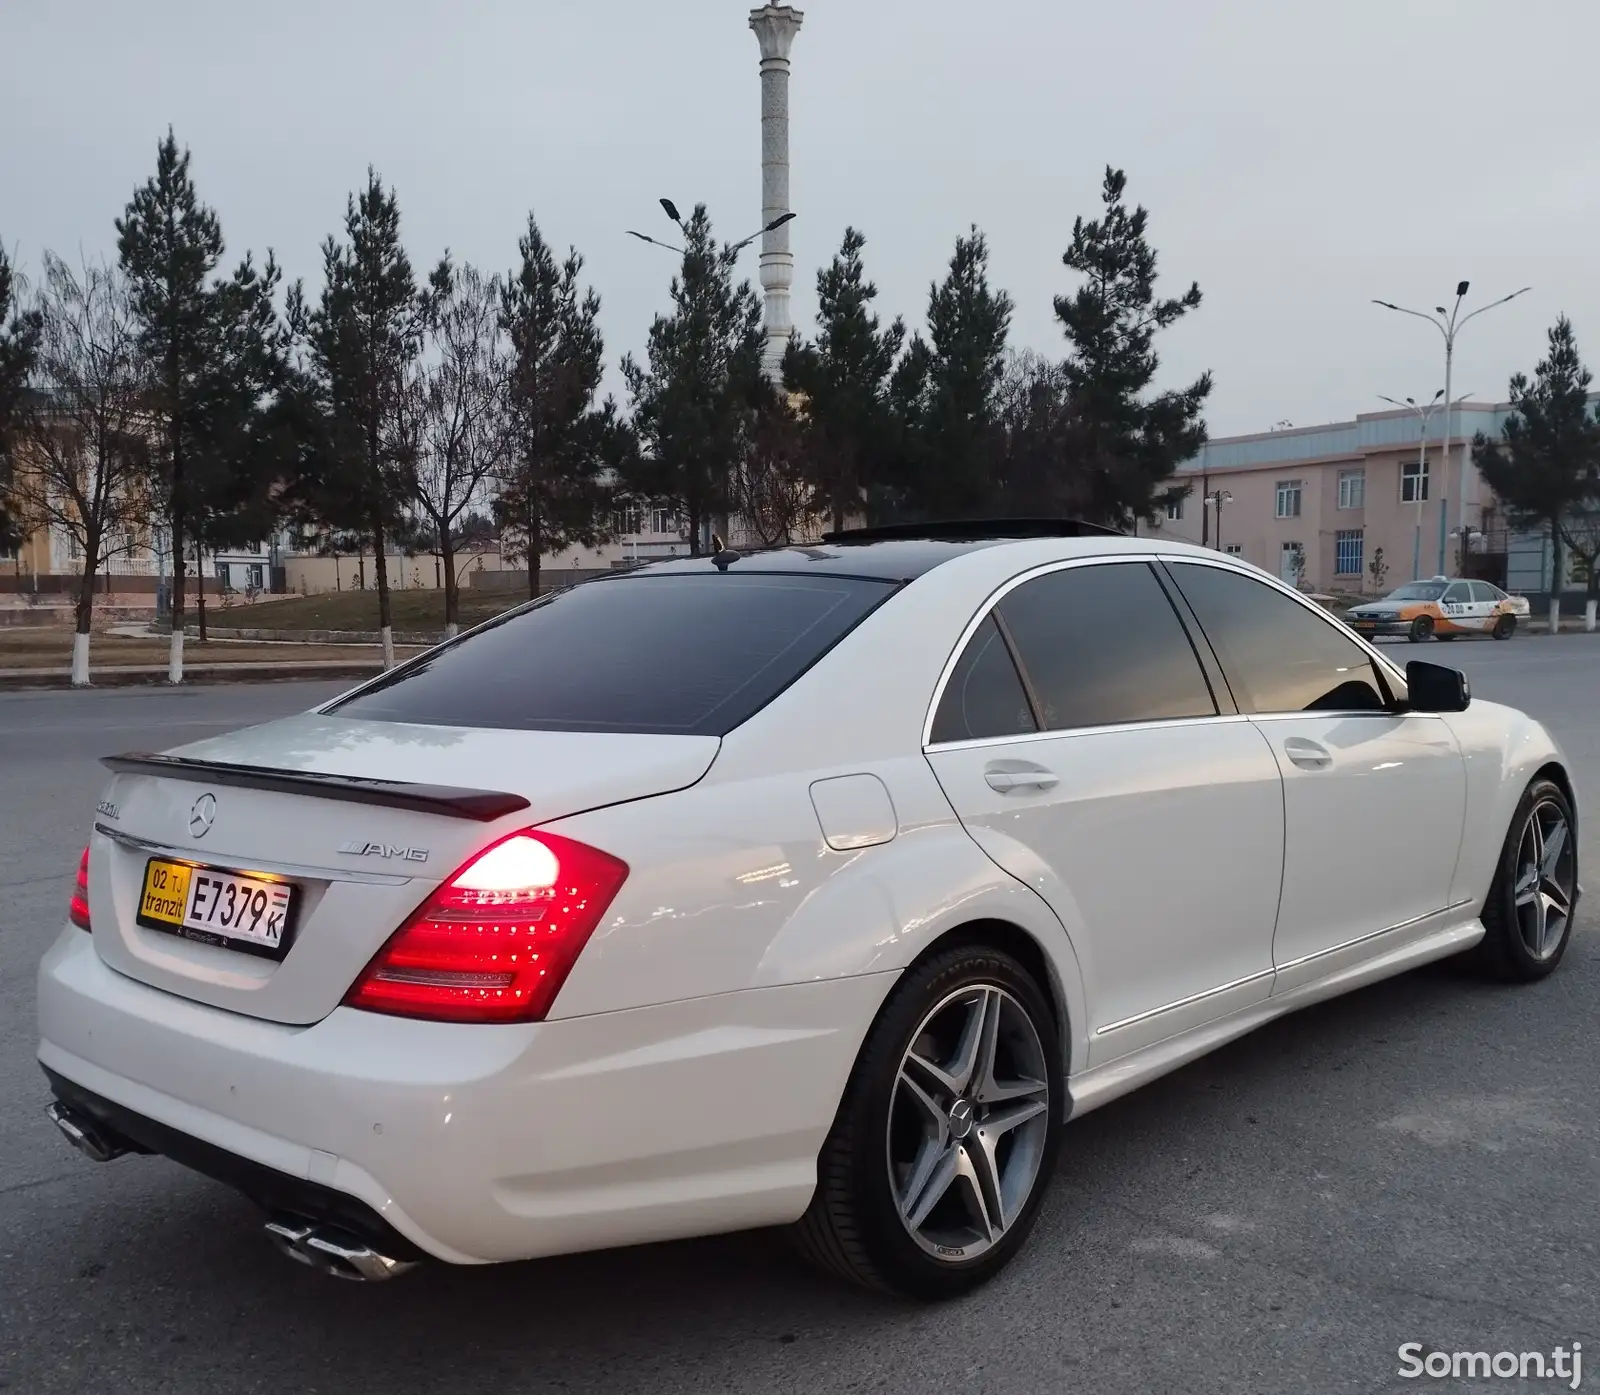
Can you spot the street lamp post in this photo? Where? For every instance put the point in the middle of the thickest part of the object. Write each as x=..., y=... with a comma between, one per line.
x=671, y=210
x=1423, y=415
x=1216, y=500
x=1449, y=323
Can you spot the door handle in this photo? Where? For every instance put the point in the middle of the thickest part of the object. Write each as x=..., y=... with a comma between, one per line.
x=1005, y=781
x=1308, y=755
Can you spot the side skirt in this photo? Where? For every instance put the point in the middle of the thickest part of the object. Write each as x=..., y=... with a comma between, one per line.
x=1100, y=1085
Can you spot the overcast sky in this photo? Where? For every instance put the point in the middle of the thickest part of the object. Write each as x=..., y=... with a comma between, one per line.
x=1297, y=158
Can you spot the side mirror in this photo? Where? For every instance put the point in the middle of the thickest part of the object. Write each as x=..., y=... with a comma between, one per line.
x=1435, y=688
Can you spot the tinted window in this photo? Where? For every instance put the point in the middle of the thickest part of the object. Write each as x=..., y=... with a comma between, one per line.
x=1483, y=591
x=691, y=655
x=1279, y=656
x=1457, y=594
x=984, y=696
x=1102, y=644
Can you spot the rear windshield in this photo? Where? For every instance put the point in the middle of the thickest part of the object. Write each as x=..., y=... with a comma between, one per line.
x=685, y=655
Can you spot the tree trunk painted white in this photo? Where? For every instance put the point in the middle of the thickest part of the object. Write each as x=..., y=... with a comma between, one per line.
x=1588, y=614
x=175, y=658
x=452, y=629
x=1555, y=614
x=80, y=661
x=388, y=646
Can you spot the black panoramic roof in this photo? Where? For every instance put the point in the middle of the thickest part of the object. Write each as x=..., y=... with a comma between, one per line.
x=889, y=552
x=976, y=530
x=894, y=560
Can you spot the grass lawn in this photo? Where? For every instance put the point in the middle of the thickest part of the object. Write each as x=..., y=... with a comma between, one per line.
x=24, y=647
x=358, y=610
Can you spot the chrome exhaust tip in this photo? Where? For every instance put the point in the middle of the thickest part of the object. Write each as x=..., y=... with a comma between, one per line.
x=334, y=1252
x=84, y=1134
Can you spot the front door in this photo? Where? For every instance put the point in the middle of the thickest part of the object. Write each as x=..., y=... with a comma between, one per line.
x=1080, y=742
x=1373, y=799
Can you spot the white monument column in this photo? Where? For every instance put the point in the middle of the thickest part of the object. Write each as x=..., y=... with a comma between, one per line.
x=775, y=27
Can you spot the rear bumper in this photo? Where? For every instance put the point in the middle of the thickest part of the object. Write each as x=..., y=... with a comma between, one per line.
x=472, y=1144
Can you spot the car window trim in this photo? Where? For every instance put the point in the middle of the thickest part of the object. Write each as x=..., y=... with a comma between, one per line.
x=1391, y=677
x=990, y=605
x=1029, y=692
x=1216, y=676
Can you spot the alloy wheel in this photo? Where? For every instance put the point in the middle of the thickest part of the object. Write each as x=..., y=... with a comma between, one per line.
x=1545, y=885
x=968, y=1122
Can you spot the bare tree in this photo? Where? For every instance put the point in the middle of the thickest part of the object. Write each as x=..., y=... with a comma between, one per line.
x=456, y=410
x=771, y=491
x=83, y=441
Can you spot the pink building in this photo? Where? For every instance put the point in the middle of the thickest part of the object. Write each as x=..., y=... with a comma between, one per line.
x=1318, y=504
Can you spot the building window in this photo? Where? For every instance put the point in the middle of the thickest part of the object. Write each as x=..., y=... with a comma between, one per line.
x=254, y=576
x=1352, y=488
x=1347, y=552
x=626, y=522
x=1175, y=509
x=1288, y=498
x=1234, y=550
x=1413, y=482
x=8, y=549
x=664, y=521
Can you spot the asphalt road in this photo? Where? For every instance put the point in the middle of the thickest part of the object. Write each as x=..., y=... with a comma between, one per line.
x=1416, y=1162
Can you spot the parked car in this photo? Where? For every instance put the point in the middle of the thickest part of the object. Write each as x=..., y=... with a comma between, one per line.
x=1441, y=608
x=815, y=888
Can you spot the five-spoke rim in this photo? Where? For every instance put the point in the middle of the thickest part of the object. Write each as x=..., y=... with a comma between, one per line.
x=967, y=1122
x=1546, y=862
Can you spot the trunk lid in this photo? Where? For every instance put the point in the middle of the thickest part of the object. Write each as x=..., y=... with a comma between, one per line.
x=359, y=860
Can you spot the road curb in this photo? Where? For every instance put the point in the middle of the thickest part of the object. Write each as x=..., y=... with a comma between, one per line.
x=154, y=675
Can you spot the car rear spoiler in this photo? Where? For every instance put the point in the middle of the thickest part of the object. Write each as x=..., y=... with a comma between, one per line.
x=449, y=800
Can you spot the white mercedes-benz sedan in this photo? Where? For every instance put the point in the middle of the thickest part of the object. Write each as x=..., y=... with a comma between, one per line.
x=816, y=887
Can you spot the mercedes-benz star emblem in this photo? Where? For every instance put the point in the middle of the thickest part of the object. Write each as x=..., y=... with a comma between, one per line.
x=202, y=816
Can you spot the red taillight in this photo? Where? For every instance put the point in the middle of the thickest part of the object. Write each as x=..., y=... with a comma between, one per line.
x=78, y=909
x=497, y=940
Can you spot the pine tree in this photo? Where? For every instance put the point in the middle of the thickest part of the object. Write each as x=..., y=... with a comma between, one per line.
x=844, y=380
x=1034, y=427
x=1125, y=443
x=1546, y=464
x=19, y=346
x=364, y=336
x=553, y=472
x=234, y=467
x=169, y=244
x=945, y=390
x=696, y=399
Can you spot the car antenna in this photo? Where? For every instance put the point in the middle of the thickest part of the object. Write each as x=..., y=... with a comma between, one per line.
x=722, y=556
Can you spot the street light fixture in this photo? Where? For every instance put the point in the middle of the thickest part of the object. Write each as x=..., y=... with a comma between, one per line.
x=672, y=213
x=1449, y=323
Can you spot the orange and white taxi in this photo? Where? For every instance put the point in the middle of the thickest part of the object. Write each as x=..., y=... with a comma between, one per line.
x=1441, y=608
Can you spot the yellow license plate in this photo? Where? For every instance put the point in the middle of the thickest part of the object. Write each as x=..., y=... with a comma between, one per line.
x=166, y=891
x=237, y=910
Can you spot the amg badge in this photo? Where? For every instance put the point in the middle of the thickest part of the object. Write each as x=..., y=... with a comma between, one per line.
x=360, y=848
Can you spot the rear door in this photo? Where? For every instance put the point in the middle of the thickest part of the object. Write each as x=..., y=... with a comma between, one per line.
x=1460, y=608
x=1080, y=741
x=1373, y=799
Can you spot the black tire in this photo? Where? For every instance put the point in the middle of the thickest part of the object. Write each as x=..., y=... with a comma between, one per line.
x=1504, y=627
x=1421, y=629
x=1507, y=951
x=853, y=1227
